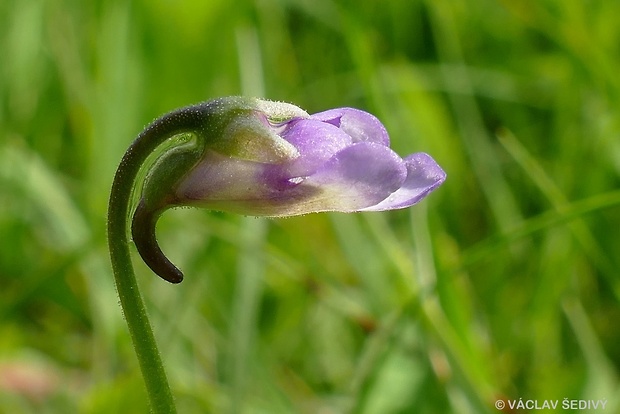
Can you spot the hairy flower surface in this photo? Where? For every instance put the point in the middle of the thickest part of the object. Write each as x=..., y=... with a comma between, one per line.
x=288, y=163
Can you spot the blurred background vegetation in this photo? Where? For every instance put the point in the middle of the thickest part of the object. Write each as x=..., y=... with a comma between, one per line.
x=504, y=283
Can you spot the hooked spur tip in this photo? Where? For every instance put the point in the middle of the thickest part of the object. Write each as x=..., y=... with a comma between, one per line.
x=143, y=233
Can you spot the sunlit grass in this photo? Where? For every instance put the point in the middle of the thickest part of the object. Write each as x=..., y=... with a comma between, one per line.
x=503, y=284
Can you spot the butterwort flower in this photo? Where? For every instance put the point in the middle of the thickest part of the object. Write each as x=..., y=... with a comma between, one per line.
x=252, y=157
x=264, y=158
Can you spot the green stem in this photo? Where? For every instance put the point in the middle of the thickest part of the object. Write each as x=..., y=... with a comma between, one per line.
x=177, y=122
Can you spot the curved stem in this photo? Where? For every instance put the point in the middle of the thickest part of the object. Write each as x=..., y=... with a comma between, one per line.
x=177, y=122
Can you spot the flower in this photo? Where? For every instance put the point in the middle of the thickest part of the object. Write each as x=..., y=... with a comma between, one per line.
x=284, y=162
x=263, y=158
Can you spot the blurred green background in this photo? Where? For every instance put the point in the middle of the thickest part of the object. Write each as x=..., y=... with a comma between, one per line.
x=503, y=284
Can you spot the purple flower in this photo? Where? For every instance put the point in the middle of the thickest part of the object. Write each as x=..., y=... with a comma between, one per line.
x=286, y=162
x=263, y=158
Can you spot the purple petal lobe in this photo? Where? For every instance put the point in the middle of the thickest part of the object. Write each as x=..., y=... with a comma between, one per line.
x=360, y=125
x=423, y=176
x=357, y=177
x=316, y=141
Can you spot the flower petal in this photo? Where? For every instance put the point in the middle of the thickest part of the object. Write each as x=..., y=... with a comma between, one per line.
x=359, y=125
x=316, y=141
x=423, y=176
x=220, y=178
x=357, y=177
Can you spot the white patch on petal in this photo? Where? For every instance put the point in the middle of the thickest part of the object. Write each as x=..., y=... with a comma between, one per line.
x=296, y=180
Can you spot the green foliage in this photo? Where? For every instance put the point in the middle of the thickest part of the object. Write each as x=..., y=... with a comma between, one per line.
x=504, y=283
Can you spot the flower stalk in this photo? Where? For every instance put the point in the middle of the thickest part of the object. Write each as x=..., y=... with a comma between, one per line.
x=158, y=388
